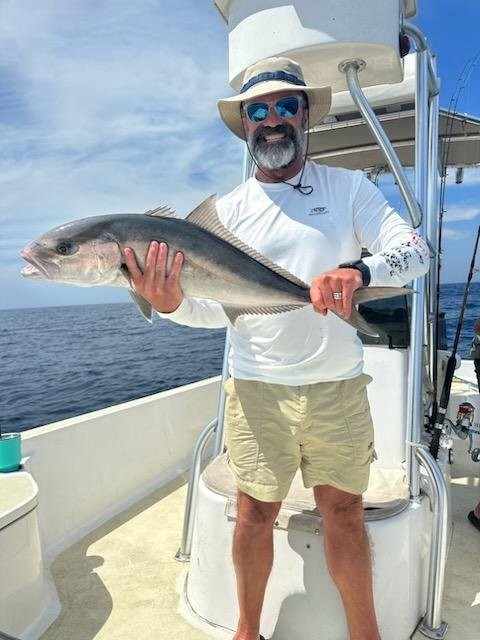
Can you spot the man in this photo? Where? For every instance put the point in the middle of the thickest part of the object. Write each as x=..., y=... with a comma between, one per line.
x=297, y=395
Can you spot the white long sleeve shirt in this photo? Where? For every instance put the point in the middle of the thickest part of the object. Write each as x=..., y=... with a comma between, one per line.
x=308, y=235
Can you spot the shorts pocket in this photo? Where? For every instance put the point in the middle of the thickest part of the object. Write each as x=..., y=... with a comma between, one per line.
x=358, y=419
x=242, y=445
x=360, y=428
x=243, y=424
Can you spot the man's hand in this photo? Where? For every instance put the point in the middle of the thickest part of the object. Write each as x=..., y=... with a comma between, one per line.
x=155, y=284
x=338, y=281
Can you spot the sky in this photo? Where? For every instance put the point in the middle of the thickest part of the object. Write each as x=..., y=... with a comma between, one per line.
x=109, y=106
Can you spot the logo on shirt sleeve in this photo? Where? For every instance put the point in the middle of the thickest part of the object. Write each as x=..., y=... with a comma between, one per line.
x=318, y=211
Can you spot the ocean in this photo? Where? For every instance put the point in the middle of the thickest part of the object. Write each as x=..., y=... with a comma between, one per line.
x=60, y=362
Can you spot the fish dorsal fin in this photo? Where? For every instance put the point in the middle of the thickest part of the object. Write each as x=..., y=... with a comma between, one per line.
x=206, y=216
x=161, y=212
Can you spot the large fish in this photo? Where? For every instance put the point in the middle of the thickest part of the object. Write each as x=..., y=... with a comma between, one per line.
x=217, y=265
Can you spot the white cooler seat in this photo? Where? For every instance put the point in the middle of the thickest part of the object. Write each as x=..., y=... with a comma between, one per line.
x=22, y=592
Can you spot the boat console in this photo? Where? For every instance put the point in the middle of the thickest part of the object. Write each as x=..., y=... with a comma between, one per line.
x=379, y=94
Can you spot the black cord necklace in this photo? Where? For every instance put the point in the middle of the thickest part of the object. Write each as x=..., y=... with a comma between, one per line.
x=304, y=189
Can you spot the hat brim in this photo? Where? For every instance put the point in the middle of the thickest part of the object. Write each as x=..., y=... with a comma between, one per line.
x=319, y=103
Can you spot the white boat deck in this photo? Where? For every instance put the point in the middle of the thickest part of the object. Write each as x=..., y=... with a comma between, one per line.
x=121, y=581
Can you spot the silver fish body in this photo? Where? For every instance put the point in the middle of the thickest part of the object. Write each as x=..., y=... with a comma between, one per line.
x=217, y=265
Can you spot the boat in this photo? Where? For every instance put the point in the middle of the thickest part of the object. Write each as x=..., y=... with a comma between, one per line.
x=119, y=522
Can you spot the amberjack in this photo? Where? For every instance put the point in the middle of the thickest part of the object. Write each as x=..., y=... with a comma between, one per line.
x=217, y=265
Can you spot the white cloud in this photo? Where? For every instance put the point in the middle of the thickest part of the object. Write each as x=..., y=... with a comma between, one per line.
x=111, y=106
x=460, y=211
x=455, y=234
x=108, y=107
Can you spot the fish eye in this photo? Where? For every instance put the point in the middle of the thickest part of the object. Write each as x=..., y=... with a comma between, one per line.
x=66, y=247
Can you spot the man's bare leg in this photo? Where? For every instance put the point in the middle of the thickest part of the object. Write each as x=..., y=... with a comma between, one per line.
x=348, y=557
x=252, y=558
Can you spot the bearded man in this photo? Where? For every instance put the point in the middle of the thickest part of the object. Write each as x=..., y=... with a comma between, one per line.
x=297, y=396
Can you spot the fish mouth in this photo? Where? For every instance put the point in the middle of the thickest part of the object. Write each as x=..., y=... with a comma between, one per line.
x=36, y=268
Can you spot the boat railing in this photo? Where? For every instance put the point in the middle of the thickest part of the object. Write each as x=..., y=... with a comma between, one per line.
x=184, y=552
x=432, y=624
x=351, y=69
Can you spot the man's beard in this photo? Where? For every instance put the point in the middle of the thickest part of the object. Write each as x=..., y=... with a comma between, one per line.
x=277, y=155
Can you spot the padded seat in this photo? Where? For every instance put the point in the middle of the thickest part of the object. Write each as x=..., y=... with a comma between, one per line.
x=386, y=496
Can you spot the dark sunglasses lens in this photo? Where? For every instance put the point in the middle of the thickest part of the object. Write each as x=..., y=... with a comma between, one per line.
x=257, y=111
x=287, y=107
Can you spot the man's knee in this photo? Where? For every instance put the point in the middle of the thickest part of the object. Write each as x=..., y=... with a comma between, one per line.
x=339, y=507
x=253, y=512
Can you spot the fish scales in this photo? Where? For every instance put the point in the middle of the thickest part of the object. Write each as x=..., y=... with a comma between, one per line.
x=213, y=268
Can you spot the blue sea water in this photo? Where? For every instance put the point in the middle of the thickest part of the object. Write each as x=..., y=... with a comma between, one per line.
x=59, y=362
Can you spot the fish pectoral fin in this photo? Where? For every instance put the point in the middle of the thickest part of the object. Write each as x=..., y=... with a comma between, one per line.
x=233, y=313
x=143, y=305
x=125, y=277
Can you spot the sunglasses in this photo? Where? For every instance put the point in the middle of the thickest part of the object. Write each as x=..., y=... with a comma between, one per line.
x=285, y=107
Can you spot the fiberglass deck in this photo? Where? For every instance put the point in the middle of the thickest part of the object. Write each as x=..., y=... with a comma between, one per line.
x=121, y=581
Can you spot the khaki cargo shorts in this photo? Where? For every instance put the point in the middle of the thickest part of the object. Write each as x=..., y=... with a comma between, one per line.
x=325, y=429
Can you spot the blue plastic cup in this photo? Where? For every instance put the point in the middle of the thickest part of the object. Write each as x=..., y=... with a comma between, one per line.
x=10, y=452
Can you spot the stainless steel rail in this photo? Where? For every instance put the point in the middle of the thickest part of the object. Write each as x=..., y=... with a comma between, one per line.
x=432, y=625
x=185, y=550
x=219, y=434
x=351, y=69
x=421, y=44
x=415, y=408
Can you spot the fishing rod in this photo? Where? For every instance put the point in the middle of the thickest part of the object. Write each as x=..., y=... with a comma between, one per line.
x=462, y=82
x=451, y=363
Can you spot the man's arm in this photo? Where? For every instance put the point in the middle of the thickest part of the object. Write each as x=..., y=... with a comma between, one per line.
x=399, y=255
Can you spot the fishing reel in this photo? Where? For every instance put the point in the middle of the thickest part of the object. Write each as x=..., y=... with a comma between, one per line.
x=463, y=428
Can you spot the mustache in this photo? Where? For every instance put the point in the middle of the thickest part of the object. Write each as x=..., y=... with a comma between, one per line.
x=286, y=129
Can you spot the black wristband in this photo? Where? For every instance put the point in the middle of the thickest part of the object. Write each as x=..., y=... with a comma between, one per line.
x=359, y=265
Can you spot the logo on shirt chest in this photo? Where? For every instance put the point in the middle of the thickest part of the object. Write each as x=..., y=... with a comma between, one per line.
x=318, y=211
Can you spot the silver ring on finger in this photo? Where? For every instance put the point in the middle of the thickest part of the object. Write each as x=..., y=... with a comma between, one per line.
x=337, y=295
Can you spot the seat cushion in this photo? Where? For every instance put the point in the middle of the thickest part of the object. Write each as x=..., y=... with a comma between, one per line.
x=387, y=492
